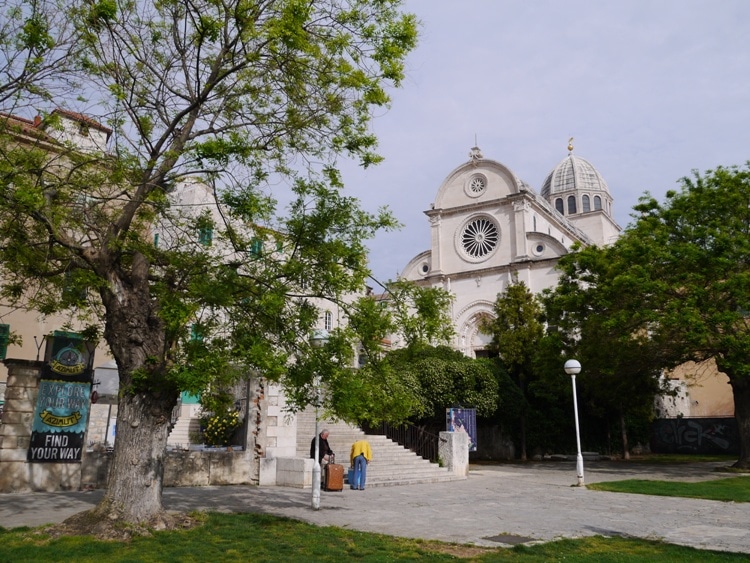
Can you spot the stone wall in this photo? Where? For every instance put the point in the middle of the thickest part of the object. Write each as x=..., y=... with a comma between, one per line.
x=181, y=469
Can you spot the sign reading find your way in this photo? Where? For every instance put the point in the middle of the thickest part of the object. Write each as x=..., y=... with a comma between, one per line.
x=63, y=402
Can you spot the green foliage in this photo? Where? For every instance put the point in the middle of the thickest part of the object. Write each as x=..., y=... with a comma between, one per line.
x=35, y=41
x=517, y=330
x=276, y=82
x=442, y=377
x=218, y=111
x=673, y=287
x=420, y=313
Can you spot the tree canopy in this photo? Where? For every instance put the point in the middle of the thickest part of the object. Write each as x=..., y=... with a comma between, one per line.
x=252, y=102
x=674, y=287
x=690, y=258
x=516, y=330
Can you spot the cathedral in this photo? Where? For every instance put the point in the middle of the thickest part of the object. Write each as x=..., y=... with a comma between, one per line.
x=489, y=229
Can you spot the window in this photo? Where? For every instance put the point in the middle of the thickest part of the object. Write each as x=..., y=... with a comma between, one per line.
x=586, y=202
x=571, y=204
x=256, y=247
x=480, y=237
x=205, y=235
x=328, y=321
x=597, y=203
x=4, y=337
x=156, y=240
x=72, y=292
x=196, y=333
x=559, y=206
x=476, y=185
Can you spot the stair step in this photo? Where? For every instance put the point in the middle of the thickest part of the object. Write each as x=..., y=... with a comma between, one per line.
x=392, y=463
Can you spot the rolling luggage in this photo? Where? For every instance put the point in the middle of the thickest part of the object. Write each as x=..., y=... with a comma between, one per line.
x=333, y=477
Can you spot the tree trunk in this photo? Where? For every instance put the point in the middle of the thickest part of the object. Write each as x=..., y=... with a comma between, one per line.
x=741, y=392
x=134, y=485
x=624, y=431
x=137, y=338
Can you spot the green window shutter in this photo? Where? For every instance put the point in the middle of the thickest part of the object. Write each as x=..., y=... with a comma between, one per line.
x=4, y=336
x=196, y=333
x=205, y=236
x=256, y=247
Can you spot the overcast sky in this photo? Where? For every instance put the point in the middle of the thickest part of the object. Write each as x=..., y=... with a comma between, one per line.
x=650, y=90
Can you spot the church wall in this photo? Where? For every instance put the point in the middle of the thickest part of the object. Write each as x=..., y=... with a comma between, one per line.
x=708, y=391
x=600, y=229
x=456, y=190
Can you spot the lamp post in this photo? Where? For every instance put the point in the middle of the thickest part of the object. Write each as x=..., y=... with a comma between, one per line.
x=573, y=368
x=318, y=340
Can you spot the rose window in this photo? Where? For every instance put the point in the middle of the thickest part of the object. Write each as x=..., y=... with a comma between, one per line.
x=480, y=237
x=477, y=185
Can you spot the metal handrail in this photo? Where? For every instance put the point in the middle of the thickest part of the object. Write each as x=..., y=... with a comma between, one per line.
x=414, y=438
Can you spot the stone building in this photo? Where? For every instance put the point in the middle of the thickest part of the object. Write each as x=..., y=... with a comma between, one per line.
x=489, y=228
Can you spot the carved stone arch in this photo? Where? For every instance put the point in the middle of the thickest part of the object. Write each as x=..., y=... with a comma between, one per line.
x=471, y=338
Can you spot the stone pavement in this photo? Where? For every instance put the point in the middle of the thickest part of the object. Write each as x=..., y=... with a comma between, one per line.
x=498, y=505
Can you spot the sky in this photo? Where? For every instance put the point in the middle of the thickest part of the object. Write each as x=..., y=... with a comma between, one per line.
x=649, y=90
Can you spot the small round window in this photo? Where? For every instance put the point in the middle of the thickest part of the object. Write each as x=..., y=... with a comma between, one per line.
x=479, y=238
x=425, y=268
x=538, y=249
x=476, y=185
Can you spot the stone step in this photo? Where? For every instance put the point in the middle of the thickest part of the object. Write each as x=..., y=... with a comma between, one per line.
x=392, y=464
x=187, y=425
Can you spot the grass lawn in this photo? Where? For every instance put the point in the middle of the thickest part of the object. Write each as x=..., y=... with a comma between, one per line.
x=254, y=537
x=735, y=489
x=680, y=458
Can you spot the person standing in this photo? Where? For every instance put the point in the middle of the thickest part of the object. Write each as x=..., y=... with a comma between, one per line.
x=324, y=450
x=360, y=456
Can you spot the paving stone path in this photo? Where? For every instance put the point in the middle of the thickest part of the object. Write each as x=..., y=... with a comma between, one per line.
x=498, y=505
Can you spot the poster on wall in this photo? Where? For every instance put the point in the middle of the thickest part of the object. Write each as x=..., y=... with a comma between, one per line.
x=62, y=406
x=463, y=420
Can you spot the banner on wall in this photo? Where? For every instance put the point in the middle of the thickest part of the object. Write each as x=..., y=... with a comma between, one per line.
x=62, y=406
x=463, y=420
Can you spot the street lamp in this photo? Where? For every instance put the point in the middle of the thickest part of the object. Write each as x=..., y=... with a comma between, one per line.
x=318, y=340
x=573, y=368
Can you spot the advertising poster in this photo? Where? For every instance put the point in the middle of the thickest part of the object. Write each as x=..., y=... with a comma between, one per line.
x=463, y=420
x=62, y=406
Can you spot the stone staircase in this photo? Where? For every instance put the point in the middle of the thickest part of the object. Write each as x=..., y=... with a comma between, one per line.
x=186, y=427
x=391, y=463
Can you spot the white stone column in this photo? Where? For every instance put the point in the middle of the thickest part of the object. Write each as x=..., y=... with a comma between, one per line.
x=453, y=452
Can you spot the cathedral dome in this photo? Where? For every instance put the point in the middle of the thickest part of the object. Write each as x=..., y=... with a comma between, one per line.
x=573, y=173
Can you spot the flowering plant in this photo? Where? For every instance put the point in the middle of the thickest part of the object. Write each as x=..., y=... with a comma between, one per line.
x=218, y=428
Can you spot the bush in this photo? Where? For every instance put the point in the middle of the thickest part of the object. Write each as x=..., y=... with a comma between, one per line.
x=218, y=428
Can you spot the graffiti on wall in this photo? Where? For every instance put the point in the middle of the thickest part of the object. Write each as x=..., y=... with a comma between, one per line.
x=695, y=435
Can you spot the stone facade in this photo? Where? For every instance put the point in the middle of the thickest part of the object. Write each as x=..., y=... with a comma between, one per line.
x=202, y=467
x=490, y=229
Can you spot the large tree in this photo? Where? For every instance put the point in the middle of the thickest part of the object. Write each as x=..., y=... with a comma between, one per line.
x=517, y=330
x=603, y=322
x=690, y=262
x=256, y=99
